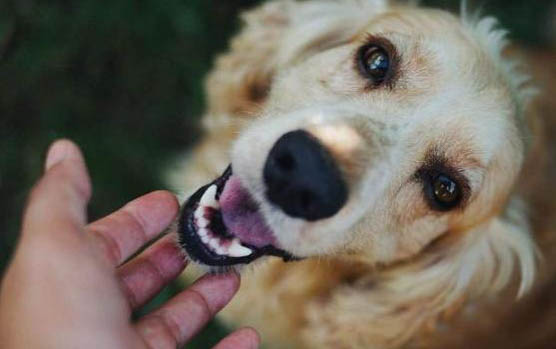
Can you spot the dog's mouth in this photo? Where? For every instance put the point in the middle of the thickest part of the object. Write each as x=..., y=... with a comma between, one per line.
x=221, y=225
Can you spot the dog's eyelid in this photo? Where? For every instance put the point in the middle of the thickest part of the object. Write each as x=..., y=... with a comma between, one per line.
x=381, y=41
x=436, y=165
x=376, y=42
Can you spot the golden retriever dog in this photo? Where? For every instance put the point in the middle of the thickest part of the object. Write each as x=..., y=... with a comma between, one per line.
x=377, y=165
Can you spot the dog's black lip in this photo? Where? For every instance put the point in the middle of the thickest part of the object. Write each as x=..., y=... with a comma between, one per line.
x=198, y=251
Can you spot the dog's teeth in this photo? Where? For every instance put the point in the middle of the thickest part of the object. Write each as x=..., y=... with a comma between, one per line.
x=222, y=251
x=214, y=243
x=237, y=250
x=209, y=197
x=200, y=212
x=202, y=222
x=206, y=236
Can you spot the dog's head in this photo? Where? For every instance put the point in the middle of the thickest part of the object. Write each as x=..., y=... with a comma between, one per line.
x=385, y=128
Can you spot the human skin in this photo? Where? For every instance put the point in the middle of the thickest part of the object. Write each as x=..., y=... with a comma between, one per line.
x=70, y=284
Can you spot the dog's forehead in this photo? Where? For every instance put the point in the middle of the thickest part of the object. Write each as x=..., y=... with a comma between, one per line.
x=440, y=42
x=448, y=71
x=415, y=21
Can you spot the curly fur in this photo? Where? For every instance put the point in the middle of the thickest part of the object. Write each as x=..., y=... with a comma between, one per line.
x=366, y=290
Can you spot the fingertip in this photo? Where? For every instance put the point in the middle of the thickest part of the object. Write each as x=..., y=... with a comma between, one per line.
x=65, y=165
x=154, y=211
x=62, y=194
x=168, y=199
x=228, y=281
x=61, y=150
x=218, y=289
x=234, y=279
x=244, y=338
x=251, y=336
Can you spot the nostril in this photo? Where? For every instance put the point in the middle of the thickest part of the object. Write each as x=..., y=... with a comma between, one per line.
x=302, y=178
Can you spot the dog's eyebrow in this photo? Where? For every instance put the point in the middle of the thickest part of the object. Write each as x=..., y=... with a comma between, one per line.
x=436, y=158
x=456, y=154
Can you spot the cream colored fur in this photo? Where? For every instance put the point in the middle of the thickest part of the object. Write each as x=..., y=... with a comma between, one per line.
x=386, y=271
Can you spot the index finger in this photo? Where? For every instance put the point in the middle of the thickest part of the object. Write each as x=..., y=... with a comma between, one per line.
x=125, y=231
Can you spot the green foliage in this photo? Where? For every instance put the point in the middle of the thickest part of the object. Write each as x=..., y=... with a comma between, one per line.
x=123, y=79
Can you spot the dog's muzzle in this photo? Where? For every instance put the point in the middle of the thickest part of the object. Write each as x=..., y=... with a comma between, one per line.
x=221, y=224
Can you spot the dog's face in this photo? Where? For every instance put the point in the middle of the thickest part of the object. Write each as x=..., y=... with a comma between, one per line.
x=370, y=149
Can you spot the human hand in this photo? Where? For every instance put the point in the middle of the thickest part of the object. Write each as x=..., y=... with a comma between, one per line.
x=69, y=284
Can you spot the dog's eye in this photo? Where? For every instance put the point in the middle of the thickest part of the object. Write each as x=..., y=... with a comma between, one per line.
x=374, y=62
x=445, y=192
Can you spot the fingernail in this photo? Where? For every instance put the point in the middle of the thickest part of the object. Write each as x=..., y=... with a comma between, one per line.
x=58, y=151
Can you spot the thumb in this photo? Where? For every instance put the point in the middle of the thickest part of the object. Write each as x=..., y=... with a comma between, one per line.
x=60, y=198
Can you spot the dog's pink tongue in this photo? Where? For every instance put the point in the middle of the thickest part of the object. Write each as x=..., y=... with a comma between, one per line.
x=241, y=215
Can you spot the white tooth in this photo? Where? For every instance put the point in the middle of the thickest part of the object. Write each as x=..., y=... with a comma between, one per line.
x=214, y=243
x=202, y=222
x=222, y=251
x=205, y=239
x=200, y=212
x=237, y=250
x=209, y=197
x=202, y=232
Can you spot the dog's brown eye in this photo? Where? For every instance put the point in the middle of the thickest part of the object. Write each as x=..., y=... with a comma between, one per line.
x=374, y=62
x=445, y=191
x=445, y=186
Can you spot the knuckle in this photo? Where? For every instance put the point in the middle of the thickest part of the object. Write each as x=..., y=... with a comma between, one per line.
x=201, y=302
x=108, y=246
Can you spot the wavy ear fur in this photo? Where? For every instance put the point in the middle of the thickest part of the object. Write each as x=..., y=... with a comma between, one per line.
x=390, y=308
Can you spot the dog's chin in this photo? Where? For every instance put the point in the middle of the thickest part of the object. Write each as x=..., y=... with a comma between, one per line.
x=221, y=227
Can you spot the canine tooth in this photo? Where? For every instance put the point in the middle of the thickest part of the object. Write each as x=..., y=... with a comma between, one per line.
x=209, y=197
x=205, y=239
x=202, y=222
x=237, y=250
x=202, y=232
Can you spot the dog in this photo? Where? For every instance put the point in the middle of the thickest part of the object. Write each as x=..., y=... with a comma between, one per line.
x=376, y=167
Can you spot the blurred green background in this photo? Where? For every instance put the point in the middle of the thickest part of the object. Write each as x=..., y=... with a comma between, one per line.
x=123, y=78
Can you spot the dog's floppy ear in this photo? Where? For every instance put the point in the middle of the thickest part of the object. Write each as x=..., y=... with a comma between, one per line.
x=390, y=307
x=275, y=35
x=241, y=78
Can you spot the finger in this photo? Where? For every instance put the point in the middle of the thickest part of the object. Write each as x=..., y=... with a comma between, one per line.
x=125, y=231
x=57, y=203
x=145, y=275
x=245, y=338
x=184, y=315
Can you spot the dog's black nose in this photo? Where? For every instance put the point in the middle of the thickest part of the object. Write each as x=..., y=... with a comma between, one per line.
x=302, y=178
